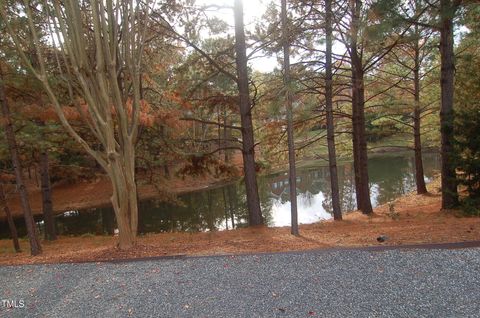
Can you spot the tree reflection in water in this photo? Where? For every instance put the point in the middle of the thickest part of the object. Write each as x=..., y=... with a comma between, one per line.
x=224, y=207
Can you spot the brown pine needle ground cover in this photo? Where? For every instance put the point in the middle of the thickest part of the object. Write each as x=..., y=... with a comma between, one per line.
x=419, y=220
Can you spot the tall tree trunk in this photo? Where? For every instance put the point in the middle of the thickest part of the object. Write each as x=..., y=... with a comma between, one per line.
x=225, y=208
x=360, y=157
x=226, y=135
x=11, y=224
x=121, y=170
x=419, y=175
x=355, y=11
x=362, y=142
x=232, y=203
x=219, y=135
x=50, y=233
x=210, y=218
x=35, y=247
x=292, y=173
x=356, y=145
x=166, y=171
x=248, y=146
x=449, y=182
x=332, y=157
x=108, y=77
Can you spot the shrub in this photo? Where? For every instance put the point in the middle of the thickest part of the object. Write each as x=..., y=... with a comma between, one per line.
x=467, y=143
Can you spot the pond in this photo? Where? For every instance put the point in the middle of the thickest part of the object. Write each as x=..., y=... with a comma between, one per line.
x=224, y=207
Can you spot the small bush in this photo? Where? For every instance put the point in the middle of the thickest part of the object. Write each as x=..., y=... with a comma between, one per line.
x=467, y=144
x=471, y=206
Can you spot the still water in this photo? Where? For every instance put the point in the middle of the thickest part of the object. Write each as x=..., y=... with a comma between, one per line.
x=224, y=208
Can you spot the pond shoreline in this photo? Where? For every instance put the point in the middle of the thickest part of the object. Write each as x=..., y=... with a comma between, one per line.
x=96, y=193
x=419, y=220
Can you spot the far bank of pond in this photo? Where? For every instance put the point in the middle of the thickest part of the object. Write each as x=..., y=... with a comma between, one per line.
x=223, y=208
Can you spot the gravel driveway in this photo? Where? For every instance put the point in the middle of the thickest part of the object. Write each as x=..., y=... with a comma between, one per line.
x=350, y=283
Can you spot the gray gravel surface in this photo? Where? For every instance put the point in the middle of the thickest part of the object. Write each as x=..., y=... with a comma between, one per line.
x=351, y=283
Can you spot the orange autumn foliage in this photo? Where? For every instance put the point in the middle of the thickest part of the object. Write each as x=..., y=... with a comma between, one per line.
x=148, y=116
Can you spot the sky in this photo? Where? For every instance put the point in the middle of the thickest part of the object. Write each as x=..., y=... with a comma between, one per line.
x=253, y=11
